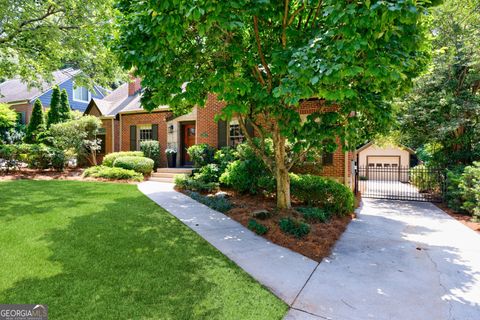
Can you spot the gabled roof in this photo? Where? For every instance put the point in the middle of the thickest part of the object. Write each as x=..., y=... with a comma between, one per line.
x=365, y=146
x=15, y=90
x=118, y=101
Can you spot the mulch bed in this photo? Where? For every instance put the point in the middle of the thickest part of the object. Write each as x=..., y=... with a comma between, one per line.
x=316, y=245
x=463, y=218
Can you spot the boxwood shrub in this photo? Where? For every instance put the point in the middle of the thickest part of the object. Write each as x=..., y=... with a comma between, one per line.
x=294, y=227
x=330, y=195
x=110, y=158
x=257, y=227
x=112, y=173
x=139, y=164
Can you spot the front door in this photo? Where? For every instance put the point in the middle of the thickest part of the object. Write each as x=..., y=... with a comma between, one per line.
x=188, y=140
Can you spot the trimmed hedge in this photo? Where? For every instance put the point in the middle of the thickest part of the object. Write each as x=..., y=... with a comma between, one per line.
x=330, y=195
x=112, y=173
x=139, y=164
x=110, y=158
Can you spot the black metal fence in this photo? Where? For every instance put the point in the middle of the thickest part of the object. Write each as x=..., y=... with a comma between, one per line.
x=401, y=183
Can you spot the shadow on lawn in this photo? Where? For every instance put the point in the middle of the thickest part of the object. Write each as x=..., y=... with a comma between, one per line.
x=125, y=261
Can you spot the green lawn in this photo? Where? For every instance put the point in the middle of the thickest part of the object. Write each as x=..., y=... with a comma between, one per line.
x=105, y=251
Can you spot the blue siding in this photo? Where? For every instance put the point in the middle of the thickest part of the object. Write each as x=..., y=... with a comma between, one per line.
x=75, y=105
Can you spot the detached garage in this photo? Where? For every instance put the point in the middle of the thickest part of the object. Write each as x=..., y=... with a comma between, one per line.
x=387, y=162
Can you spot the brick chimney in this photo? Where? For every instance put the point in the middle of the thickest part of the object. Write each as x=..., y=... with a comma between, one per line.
x=134, y=86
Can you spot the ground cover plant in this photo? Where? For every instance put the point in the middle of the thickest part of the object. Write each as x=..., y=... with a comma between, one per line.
x=70, y=242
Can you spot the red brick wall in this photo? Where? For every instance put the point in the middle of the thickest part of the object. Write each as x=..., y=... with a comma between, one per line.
x=207, y=127
x=146, y=118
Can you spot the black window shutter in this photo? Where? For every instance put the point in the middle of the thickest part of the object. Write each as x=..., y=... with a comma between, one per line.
x=249, y=127
x=327, y=158
x=155, y=132
x=222, y=134
x=133, y=138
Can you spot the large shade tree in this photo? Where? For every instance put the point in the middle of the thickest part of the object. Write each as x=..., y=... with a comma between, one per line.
x=442, y=113
x=264, y=57
x=38, y=37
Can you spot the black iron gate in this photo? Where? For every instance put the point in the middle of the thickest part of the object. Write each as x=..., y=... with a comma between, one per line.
x=401, y=183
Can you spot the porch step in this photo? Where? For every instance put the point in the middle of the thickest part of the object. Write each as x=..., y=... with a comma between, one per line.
x=156, y=179
x=168, y=174
x=175, y=170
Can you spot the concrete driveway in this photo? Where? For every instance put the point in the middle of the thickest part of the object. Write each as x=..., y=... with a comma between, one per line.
x=398, y=260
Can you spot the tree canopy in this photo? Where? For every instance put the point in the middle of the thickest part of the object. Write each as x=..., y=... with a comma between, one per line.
x=38, y=37
x=442, y=113
x=264, y=57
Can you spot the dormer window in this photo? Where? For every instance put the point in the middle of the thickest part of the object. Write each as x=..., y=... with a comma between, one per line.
x=81, y=94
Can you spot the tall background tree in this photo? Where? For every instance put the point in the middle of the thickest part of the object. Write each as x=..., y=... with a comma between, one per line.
x=36, y=126
x=38, y=37
x=65, y=111
x=441, y=116
x=263, y=58
x=53, y=115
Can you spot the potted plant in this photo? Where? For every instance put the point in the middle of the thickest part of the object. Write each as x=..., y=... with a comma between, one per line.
x=171, y=157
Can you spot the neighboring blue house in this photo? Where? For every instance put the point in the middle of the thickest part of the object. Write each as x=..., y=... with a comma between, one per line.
x=20, y=97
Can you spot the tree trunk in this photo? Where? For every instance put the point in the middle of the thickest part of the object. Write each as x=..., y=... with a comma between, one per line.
x=281, y=171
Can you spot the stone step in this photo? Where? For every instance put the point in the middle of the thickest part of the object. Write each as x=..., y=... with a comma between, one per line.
x=164, y=174
x=175, y=170
x=156, y=179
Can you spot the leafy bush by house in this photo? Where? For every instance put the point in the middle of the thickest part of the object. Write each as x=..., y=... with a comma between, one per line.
x=110, y=158
x=470, y=189
x=112, y=173
x=314, y=214
x=224, y=157
x=257, y=227
x=41, y=156
x=208, y=173
x=216, y=203
x=294, y=227
x=151, y=149
x=327, y=194
x=139, y=164
x=201, y=154
x=185, y=182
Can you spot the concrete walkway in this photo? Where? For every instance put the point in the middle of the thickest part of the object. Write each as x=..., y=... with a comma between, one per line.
x=398, y=260
x=281, y=270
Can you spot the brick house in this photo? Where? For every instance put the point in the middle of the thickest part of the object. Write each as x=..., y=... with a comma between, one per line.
x=126, y=124
x=20, y=97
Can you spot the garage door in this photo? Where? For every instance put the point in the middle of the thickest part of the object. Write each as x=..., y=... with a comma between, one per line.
x=381, y=168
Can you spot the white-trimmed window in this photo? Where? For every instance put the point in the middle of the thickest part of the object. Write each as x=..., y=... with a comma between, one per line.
x=81, y=94
x=145, y=132
x=235, y=134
